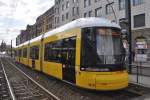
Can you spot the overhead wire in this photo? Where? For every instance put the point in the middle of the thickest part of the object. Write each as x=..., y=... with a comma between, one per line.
x=113, y=11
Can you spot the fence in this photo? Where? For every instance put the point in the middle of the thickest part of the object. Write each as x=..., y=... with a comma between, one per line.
x=140, y=73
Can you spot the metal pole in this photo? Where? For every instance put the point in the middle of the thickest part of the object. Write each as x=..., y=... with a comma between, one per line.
x=137, y=78
x=11, y=48
x=128, y=16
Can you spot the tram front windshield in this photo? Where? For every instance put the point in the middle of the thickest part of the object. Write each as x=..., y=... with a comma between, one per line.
x=102, y=49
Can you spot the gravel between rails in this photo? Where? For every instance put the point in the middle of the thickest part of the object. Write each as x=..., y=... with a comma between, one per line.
x=23, y=88
x=68, y=92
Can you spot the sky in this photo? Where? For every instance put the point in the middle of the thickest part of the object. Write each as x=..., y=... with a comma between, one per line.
x=15, y=15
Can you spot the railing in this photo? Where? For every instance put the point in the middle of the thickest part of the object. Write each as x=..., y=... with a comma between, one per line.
x=140, y=65
x=140, y=70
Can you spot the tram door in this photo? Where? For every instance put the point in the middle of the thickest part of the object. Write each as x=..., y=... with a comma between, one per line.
x=19, y=55
x=33, y=63
x=68, y=59
x=34, y=52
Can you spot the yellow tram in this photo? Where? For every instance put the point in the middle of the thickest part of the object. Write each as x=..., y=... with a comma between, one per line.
x=87, y=52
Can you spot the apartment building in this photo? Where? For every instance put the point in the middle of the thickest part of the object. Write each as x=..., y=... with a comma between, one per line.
x=40, y=25
x=18, y=40
x=23, y=36
x=31, y=32
x=49, y=19
x=45, y=22
x=66, y=11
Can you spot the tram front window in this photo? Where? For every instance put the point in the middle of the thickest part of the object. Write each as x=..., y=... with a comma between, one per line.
x=108, y=46
x=102, y=50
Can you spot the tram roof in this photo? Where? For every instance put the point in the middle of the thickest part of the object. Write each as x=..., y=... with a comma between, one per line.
x=78, y=23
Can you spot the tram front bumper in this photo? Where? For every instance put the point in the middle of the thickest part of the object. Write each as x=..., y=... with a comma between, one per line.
x=113, y=81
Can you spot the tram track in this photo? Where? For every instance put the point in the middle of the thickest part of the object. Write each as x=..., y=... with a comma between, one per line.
x=5, y=89
x=23, y=86
x=67, y=92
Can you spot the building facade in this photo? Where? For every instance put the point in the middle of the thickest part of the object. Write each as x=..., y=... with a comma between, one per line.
x=23, y=36
x=49, y=19
x=40, y=24
x=66, y=11
x=44, y=23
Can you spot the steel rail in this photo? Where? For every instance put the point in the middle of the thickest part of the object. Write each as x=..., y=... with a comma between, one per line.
x=10, y=89
x=55, y=97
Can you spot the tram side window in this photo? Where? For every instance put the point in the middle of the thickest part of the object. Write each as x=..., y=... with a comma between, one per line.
x=57, y=51
x=64, y=53
x=25, y=52
x=16, y=53
x=47, y=52
x=20, y=53
x=34, y=52
x=61, y=51
x=53, y=51
x=31, y=53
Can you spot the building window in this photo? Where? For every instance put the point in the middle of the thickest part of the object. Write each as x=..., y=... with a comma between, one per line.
x=58, y=20
x=67, y=15
x=137, y=2
x=139, y=20
x=121, y=4
x=87, y=3
x=62, y=17
x=77, y=10
x=67, y=4
x=55, y=20
x=34, y=52
x=109, y=8
x=62, y=7
x=25, y=52
x=85, y=14
x=73, y=11
x=74, y=1
x=57, y=10
x=90, y=13
x=97, y=0
x=98, y=12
